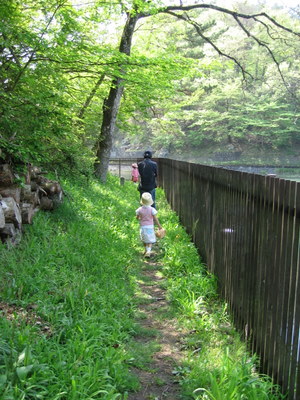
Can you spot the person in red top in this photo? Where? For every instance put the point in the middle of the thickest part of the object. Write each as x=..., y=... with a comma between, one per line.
x=147, y=217
x=134, y=173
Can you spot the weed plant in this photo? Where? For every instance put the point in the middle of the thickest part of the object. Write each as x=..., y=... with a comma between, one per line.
x=67, y=308
x=73, y=270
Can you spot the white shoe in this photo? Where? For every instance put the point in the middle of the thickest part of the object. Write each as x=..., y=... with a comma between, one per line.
x=148, y=254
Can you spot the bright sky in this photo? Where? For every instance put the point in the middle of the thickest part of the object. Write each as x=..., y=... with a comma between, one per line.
x=227, y=3
x=283, y=3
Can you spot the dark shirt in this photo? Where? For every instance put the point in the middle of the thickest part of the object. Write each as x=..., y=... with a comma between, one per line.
x=148, y=172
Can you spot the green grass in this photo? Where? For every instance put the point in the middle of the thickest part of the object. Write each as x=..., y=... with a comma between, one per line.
x=76, y=272
x=141, y=354
x=74, y=265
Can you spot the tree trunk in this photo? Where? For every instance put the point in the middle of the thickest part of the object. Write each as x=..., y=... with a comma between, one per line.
x=111, y=105
x=110, y=111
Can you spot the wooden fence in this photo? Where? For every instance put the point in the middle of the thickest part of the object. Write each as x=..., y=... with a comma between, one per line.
x=246, y=227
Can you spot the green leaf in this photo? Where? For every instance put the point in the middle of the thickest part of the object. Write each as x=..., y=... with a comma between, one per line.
x=3, y=380
x=22, y=372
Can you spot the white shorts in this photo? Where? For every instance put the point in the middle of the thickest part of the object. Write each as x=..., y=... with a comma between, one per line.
x=147, y=234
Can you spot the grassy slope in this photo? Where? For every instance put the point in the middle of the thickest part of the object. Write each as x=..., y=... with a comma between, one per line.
x=75, y=273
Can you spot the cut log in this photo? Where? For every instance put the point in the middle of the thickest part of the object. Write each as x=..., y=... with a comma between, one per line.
x=11, y=211
x=57, y=199
x=27, y=212
x=40, y=180
x=29, y=196
x=34, y=172
x=2, y=218
x=26, y=192
x=34, y=186
x=28, y=175
x=6, y=175
x=46, y=203
x=10, y=234
x=52, y=187
x=11, y=191
x=8, y=230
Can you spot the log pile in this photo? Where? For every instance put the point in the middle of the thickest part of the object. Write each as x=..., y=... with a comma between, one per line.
x=19, y=203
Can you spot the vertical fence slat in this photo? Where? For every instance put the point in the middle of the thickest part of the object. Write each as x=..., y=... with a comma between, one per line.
x=292, y=310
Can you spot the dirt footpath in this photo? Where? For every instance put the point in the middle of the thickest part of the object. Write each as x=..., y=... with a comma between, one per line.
x=158, y=379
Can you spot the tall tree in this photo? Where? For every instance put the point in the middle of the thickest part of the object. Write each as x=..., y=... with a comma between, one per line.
x=216, y=111
x=112, y=102
x=48, y=62
x=141, y=9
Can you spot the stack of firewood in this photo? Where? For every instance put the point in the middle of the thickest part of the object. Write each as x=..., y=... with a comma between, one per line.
x=19, y=203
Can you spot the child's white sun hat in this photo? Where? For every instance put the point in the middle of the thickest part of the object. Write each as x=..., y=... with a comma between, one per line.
x=146, y=199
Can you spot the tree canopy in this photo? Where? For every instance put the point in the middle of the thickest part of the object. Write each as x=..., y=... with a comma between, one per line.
x=75, y=75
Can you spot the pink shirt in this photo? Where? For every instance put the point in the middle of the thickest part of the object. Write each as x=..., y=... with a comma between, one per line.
x=145, y=214
x=135, y=173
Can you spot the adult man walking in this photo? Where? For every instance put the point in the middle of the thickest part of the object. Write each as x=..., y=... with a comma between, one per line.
x=148, y=173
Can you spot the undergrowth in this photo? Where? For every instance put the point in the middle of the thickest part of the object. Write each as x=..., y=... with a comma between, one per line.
x=67, y=305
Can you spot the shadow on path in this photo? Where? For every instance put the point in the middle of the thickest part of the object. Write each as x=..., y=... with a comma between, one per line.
x=157, y=377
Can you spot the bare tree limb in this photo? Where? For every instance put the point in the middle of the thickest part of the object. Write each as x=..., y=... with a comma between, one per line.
x=11, y=49
x=260, y=43
x=232, y=13
x=208, y=40
x=90, y=97
x=237, y=17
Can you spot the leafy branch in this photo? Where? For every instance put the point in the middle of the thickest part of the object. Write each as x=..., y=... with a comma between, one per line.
x=186, y=18
x=33, y=52
x=238, y=18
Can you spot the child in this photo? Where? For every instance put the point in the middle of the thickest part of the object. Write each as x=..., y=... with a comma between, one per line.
x=134, y=173
x=147, y=216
